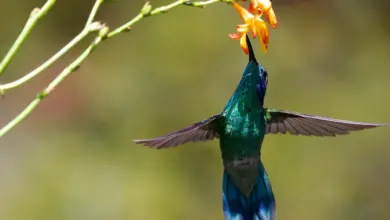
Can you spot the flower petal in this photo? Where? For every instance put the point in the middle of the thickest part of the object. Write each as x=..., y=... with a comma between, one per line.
x=251, y=8
x=259, y=12
x=244, y=14
x=243, y=44
x=254, y=28
x=234, y=36
x=271, y=17
x=243, y=28
x=254, y=23
x=264, y=5
x=264, y=47
x=263, y=33
x=242, y=25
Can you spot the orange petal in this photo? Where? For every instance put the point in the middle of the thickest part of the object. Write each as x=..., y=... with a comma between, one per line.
x=254, y=28
x=243, y=28
x=234, y=36
x=264, y=47
x=254, y=34
x=244, y=14
x=264, y=5
x=257, y=24
x=242, y=25
x=263, y=33
x=259, y=12
x=272, y=18
x=243, y=44
x=251, y=8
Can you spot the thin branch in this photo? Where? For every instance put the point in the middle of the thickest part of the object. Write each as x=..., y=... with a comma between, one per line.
x=68, y=70
x=94, y=11
x=83, y=34
x=35, y=16
x=162, y=9
x=46, y=64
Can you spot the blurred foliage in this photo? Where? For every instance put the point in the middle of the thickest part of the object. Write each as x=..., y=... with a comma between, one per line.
x=74, y=157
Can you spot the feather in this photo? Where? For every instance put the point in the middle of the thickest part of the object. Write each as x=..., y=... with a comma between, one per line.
x=309, y=125
x=259, y=204
x=201, y=131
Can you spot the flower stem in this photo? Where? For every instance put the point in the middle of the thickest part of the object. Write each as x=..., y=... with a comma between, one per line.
x=35, y=16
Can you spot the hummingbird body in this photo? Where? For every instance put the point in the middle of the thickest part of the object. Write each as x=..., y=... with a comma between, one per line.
x=241, y=128
x=247, y=192
x=243, y=131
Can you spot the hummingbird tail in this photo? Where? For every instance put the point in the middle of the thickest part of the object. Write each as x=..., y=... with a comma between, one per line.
x=259, y=205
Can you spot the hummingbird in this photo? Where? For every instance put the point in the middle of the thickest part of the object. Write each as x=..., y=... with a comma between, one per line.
x=241, y=127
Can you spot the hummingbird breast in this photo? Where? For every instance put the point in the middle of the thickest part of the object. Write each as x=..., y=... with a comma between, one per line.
x=243, y=131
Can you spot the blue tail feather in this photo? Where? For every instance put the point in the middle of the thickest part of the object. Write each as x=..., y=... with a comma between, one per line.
x=260, y=205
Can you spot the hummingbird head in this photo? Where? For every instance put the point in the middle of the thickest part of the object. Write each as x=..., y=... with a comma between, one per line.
x=253, y=84
x=261, y=85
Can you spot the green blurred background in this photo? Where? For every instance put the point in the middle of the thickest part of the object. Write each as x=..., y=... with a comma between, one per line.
x=74, y=158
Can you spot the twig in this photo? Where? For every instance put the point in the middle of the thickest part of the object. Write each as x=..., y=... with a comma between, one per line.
x=68, y=70
x=162, y=9
x=83, y=34
x=46, y=64
x=35, y=16
x=94, y=11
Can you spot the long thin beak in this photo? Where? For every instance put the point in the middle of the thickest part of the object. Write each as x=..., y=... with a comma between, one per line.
x=250, y=51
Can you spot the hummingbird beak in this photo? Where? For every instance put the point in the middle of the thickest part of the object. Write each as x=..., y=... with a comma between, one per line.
x=250, y=51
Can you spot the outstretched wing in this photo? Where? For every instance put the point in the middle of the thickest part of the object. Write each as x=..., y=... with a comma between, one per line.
x=280, y=121
x=201, y=131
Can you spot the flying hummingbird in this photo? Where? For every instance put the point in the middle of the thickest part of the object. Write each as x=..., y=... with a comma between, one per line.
x=241, y=128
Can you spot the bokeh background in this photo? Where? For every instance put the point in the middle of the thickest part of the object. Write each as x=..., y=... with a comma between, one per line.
x=74, y=158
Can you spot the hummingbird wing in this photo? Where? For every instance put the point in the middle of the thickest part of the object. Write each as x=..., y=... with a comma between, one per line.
x=201, y=131
x=281, y=121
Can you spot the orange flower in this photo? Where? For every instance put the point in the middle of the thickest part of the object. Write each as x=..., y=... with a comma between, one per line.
x=264, y=6
x=253, y=23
